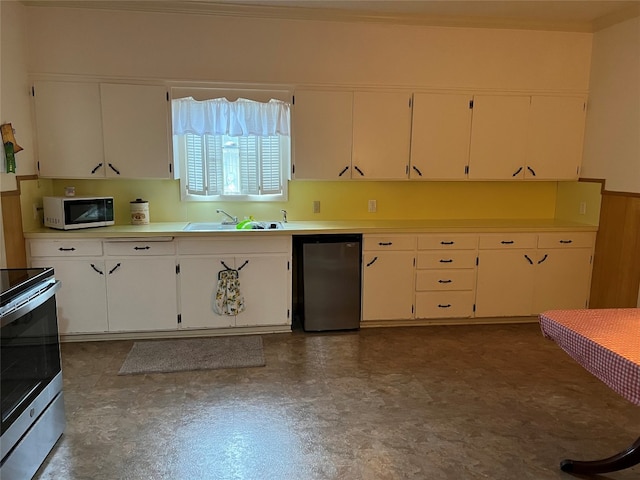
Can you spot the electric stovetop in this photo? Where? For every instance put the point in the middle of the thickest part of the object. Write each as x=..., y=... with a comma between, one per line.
x=14, y=281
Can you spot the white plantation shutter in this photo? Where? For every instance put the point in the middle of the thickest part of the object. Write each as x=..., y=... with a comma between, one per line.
x=195, y=167
x=270, y=169
x=249, y=180
x=213, y=163
x=247, y=166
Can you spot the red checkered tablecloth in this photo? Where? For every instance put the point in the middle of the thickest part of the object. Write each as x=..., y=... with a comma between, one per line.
x=606, y=342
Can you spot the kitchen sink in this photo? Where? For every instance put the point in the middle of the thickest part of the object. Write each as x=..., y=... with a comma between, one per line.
x=215, y=227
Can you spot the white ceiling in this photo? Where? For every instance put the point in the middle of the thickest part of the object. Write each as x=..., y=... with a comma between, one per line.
x=567, y=15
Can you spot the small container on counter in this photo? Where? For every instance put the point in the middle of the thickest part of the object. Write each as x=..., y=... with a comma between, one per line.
x=139, y=212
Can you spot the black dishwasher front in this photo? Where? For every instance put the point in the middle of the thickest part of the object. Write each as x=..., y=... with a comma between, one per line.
x=329, y=281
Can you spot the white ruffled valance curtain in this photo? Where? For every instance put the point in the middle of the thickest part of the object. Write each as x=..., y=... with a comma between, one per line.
x=241, y=118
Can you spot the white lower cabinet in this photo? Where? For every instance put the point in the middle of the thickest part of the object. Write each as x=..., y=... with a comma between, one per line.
x=446, y=276
x=265, y=281
x=387, y=283
x=141, y=294
x=563, y=271
x=82, y=299
x=505, y=283
x=526, y=274
x=141, y=285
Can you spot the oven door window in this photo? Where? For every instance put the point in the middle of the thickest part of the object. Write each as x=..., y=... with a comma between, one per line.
x=30, y=359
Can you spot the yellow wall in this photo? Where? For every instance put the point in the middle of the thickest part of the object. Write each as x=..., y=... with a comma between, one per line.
x=338, y=200
x=572, y=194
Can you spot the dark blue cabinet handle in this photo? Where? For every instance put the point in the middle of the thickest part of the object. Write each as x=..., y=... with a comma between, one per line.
x=114, y=268
x=375, y=259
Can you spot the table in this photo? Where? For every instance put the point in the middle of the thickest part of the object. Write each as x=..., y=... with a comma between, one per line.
x=606, y=342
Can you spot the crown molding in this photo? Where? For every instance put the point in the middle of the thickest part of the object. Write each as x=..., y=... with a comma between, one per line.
x=199, y=7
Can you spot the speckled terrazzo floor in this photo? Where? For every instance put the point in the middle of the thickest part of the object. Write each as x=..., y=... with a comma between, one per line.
x=456, y=402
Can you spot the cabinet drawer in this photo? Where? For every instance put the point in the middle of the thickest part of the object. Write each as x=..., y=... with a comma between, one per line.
x=389, y=242
x=445, y=279
x=447, y=242
x=566, y=240
x=444, y=304
x=65, y=248
x=234, y=246
x=508, y=240
x=442, y=260
x=139, y=248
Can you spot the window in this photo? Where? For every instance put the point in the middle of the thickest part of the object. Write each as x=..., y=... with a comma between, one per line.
x=232, y=150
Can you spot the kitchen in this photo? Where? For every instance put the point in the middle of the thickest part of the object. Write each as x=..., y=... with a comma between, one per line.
x=485, y=60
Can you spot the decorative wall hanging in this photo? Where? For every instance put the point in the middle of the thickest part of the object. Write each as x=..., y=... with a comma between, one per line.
x=11, y=147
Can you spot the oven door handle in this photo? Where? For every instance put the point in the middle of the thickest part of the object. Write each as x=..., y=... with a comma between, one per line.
x=34, y=302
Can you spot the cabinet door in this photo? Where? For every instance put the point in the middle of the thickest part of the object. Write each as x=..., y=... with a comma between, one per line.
x=142, y=294
x=82, y=299
x=498, y=137
x=505, y=283
x=264, y=283
x=556, y=130
x=381, y=135
x=322, y=133
x=440, y=136
x=387, y=285
x=563, y=279
x=68, y=129
x=198, y=284
x=136, y=131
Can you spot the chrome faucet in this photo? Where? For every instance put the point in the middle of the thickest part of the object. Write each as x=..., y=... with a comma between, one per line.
x=232, y=220
x=284, y=216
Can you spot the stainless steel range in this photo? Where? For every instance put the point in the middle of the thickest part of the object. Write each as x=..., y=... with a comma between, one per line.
x=30, y=373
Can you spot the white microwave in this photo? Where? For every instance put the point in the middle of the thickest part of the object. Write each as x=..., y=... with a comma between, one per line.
x=69, y=213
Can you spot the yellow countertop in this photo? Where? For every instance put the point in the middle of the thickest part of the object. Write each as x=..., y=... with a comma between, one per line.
x=309, y=227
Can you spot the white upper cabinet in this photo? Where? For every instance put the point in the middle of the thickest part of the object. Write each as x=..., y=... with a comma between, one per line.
x=526, y=137
x=135, y=120
x=322, y=132
x=498, y=137
x=94, y=130
x=381, y=135
x=440, y=136
x=68, y=129
x=556, y=132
